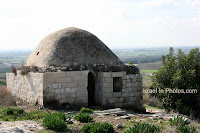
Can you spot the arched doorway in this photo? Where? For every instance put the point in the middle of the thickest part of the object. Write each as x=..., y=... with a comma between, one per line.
x=91, y=89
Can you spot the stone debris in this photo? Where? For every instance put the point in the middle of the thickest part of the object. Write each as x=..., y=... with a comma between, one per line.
x=20, y=127
x=119, y=125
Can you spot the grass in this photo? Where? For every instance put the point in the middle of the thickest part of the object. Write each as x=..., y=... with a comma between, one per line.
x=150, y=66
x=16, y=114
x=148, y=71
x=150, y=107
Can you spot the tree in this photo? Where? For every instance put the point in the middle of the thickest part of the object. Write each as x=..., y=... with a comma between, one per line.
x=175, y=81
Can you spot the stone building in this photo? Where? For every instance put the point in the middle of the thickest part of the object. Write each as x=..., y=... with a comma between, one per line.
x=73, y=66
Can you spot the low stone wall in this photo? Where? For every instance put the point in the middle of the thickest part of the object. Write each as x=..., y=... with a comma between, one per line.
x=130, y=94
x=67, y=87
x=29, y=87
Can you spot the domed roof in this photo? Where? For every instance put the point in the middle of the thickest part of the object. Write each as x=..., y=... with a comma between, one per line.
x=71, y=46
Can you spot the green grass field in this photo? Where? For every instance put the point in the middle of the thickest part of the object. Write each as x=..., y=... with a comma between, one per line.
x=150, y=66
x=148, y=71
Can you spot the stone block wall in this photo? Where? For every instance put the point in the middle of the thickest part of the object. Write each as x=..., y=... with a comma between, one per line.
x=29, y=87
x=130, y=94
x=67, y=87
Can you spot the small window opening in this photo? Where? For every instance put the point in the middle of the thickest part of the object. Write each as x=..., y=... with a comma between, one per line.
x=38, y=53
x=117, y=84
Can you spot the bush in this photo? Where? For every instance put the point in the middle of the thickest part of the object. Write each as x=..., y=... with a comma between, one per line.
x=98, y=128
x=143, y=128
x=24, y=70
x=182, y=124
x=180, y=73
x=179, y=120
x=86, y=110
x=55, y=122
x=14, y=70
x=83, y=117
x=9, y=111
x=16, y=114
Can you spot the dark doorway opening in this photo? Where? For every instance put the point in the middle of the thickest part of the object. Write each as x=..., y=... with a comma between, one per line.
x=91, y=89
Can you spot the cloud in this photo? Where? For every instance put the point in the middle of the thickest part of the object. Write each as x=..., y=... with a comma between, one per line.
x=158, y=3
x=194, y=3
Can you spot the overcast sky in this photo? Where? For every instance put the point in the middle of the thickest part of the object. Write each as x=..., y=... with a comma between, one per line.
x=118, y=23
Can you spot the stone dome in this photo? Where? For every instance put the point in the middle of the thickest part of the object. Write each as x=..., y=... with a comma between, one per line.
x=71, y=46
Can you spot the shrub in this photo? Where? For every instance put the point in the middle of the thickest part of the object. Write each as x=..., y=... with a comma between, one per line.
x=180, y=72
x=15, y=114
x=182, y=125
x=86, y=110
x=14, y=70
x=143, y=128
x=55, y=122
x=9, y=111
x=179, y=120
x=34, y=115
x=186, y=129
x=24, y=70
x=60, y=115
x=98, y=128
x=83, y=117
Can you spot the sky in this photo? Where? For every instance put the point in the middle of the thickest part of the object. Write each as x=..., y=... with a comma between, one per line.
x=118, y=23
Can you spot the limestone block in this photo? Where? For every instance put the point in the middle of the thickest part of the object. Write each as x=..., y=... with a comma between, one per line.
x=57, y=91
x=129, y=89
x=127, y=77
x=134, y=79
x=121, y=99
x=125, y=94
x=117, y=74
x=55, y=86
x=124, y=90
x=124, y=82
x=108, y=89
x=132, y=94
x=63, y=96
x=124, y=77
x=59, y=74
x=116, y=100
x=109, y=80
x=108, y=84
x=67, y=90
x=137, y=94
x=131, y=76
x=81, y=94
x=126, y=99
x=117, y=94
x=50, y=80
x=62, y=90
x=118, y=105
x=58, y=96
x=69, y=85
x=110, y=100
x=108, y=95
x=73, y=73
x=106, y=74
x=63, y=80
x=128, y=81
x=83, y=84
x=132, y=99
x=85, y=72
x=128, y=85
x=69, y=95
x=81, y=100
x=124, y=73
x=73, y=90
x=71, y=101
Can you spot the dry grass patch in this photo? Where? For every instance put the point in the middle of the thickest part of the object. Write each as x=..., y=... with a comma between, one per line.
x=6, y=99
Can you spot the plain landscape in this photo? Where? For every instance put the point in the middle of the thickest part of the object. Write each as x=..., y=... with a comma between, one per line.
x=158, y=118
